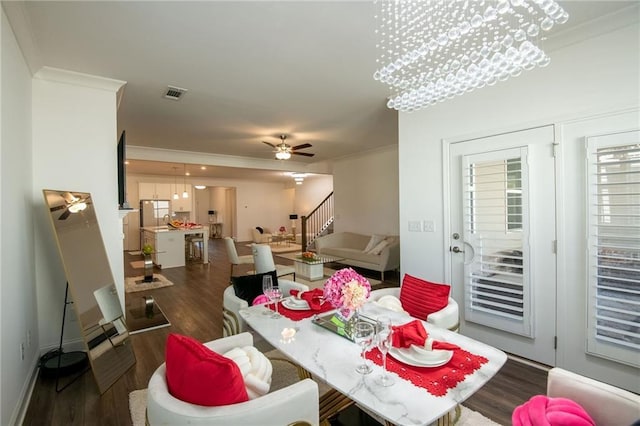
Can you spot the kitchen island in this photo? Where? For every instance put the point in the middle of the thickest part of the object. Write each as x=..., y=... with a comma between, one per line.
x=169, y=245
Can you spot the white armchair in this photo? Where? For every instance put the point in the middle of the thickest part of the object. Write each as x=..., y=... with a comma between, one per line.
x=232, y=322
x=606, y=404
x=447, y=317
x=261, y=238
x=292, y=404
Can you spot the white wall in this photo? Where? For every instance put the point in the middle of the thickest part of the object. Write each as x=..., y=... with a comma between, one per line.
x=307, y=196
x=596, y=75
x=366, y=192
x=259, y=203
x=18, y=306
x=74, y=148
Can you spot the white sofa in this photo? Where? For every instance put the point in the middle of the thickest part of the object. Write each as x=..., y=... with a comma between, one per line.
x=350, y=247
x=607, y=405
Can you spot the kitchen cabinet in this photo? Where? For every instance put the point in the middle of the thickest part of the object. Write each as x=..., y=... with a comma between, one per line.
x=169, y=245
x=154, y=191
x=182, y=204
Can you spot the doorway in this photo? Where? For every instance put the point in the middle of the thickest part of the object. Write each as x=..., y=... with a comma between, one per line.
x=502, y=240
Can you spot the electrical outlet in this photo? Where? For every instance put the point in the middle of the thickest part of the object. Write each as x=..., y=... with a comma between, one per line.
x=22, y=351
x=414, y=226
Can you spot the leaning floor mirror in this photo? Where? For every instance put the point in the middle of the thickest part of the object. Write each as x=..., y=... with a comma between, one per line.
x=91, y=285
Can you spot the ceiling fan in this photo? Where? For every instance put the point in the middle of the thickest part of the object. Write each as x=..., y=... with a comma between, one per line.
x=283, y=150
x=72, y=204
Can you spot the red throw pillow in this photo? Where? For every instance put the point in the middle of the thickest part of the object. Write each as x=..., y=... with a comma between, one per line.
x=421, y=298
x=198, y=375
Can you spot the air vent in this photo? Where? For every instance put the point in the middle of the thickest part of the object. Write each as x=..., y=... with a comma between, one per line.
x=174, y=93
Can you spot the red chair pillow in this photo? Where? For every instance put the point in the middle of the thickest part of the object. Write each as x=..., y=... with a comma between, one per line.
x=198, y=375
x=421, y=298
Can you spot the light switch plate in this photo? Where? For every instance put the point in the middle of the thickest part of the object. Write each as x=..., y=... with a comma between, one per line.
x=429, y=226
x=414, y=226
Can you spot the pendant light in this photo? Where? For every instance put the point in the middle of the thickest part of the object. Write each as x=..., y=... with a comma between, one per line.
x=185, y=194
x=175, y=183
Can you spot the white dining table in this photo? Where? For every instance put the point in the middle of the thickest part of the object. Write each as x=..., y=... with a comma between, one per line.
x=333, y=360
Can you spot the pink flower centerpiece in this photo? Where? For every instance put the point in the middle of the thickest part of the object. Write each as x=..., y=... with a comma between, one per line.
x=347, y=291
x=282, y=229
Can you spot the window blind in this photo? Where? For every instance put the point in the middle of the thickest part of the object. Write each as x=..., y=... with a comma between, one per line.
x=614, y=248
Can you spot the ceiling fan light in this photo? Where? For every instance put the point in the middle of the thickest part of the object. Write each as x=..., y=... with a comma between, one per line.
x=77, y=207
x=298, y=183
x=283, y=155
x=199, y=186
x=298, y=179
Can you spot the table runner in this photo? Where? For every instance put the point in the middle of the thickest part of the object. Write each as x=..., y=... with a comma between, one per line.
x=296, y=315
x=436, y=380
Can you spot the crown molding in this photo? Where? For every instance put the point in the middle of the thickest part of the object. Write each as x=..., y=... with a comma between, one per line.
x=79, y=79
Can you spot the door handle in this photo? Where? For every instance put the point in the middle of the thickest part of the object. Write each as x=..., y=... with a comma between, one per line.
x=456, y=249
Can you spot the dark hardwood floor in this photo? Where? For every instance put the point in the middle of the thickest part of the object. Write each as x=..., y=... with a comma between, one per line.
x=193, y=305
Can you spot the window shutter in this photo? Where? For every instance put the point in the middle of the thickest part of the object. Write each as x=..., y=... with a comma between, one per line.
x=613, y=177
x=496, y=226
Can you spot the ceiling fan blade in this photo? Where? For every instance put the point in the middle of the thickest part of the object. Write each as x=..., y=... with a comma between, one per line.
x=64, y=215
x=56, y=208
x=270, y=144
x=306, y=154
x=302, y=146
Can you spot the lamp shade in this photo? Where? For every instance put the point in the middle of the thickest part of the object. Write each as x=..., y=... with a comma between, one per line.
x=293, y=216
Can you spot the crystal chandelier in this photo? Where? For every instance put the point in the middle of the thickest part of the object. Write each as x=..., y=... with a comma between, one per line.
x=432, y=50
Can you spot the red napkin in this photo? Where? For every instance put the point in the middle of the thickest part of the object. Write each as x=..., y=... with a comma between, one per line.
x=315, y=297
x=413, y=333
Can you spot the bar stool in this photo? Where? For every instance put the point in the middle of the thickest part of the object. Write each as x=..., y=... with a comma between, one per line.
x=194, y=246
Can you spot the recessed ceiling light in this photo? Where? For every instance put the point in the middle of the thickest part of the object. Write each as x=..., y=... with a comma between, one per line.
x=203, y=168
x=187, y=174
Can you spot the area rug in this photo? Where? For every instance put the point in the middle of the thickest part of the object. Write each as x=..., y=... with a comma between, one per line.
x=134, y=284
x=138, y=407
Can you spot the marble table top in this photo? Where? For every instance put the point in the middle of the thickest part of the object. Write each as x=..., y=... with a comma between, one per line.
x=333, y=359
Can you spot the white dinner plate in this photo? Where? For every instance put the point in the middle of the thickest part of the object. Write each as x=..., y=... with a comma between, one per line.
x=436, y=358
x=295, y=304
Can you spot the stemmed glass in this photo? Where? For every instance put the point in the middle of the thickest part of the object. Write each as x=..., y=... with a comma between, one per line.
x=275, y=294
x=383, y=340
x=267, y=285
x=363, y=335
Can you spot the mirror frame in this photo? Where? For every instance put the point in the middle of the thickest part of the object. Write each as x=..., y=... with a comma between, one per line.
x=91, y=285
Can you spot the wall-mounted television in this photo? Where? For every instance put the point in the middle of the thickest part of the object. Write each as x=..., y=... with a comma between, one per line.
x=122, y=172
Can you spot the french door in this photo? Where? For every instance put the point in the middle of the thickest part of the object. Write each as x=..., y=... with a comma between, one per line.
x=502, y=240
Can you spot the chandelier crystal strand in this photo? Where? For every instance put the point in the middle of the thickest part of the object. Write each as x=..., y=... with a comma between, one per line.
x=433, y=50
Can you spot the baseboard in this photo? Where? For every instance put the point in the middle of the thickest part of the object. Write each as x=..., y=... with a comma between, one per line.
x=529, y=362
x=25, y=396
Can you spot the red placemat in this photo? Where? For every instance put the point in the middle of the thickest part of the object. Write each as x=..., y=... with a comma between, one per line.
x=436, y=380
x=296, y=315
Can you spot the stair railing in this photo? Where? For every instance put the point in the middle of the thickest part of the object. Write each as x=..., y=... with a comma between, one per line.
x=317, y=222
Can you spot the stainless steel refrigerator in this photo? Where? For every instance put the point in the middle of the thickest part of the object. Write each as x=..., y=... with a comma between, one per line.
x=154, y=212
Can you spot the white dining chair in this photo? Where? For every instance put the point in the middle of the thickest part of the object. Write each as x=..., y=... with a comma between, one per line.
x=232, y=254
x=263, y=261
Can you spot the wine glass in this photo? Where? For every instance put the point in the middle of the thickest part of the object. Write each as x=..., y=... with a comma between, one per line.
x=275, y=294
x=267, y=285
x=363, y=335
x=383, y=340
